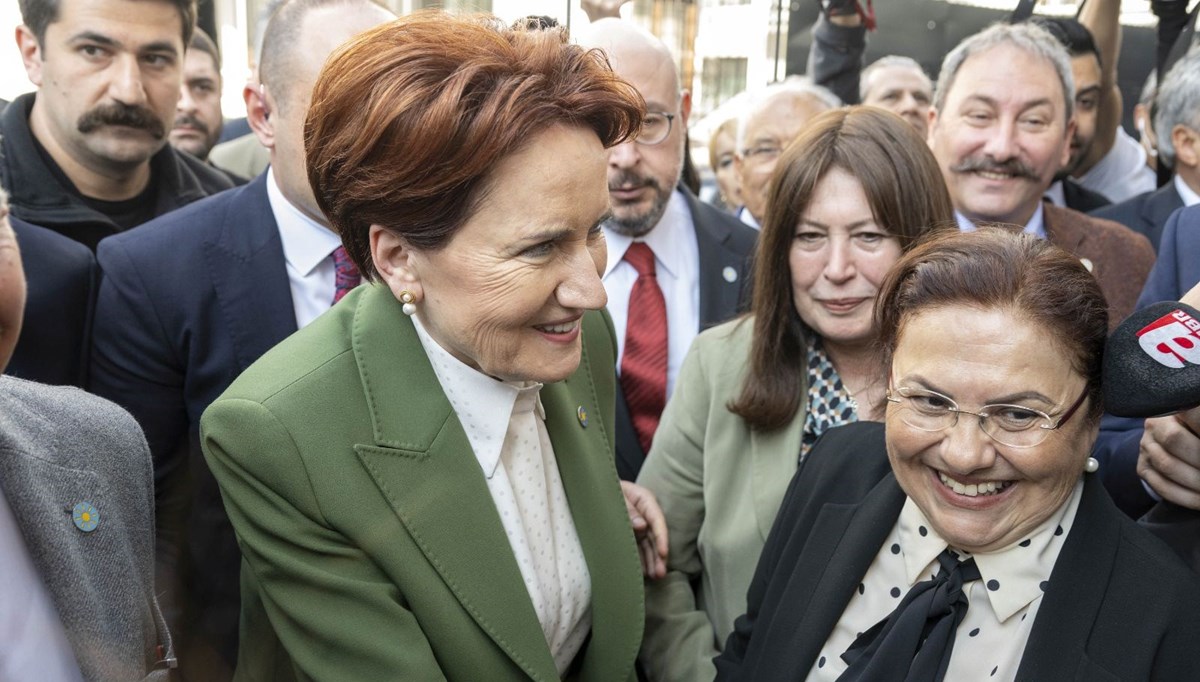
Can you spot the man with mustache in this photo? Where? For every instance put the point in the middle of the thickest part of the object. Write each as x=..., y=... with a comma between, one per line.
x=1001, y=128
x=198, y=117
x=675, y=265
x=87, y=154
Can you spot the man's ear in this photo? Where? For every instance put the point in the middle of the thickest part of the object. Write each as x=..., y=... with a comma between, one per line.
x=685, y=107
x=1186, y=143
x=398, y=263
x=933, y=121
x=258, y=113
x=31, y=54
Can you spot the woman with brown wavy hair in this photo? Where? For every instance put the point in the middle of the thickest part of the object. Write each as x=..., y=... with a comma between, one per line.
x=848, y=198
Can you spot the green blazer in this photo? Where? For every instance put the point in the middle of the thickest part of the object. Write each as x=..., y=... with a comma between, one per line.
x=720, y=485
x=371, y=546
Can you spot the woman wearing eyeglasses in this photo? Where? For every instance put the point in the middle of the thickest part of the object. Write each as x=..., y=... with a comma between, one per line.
x=965, y=538
x=848, y=198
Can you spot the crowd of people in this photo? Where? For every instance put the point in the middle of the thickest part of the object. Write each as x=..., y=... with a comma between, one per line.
x=442, y=370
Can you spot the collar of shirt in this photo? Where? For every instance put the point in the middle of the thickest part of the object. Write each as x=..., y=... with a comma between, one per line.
x=484, y=405
x=1036, y=225
x=671, y=228
x=1189, y=195
x=1021, y=569
x=1055, y=194
x=745, y=216
x=305, y=241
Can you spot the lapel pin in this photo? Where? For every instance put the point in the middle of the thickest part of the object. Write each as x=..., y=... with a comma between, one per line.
x=583, y=416
x=1087, y=263
x=85, y=516
x=729, y=274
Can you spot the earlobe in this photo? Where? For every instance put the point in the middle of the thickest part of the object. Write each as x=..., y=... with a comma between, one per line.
x=933, y=117
x=31, y=54
x=398, y=263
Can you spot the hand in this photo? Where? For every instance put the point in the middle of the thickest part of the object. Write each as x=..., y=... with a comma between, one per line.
x=649, y=527
x=602, y=9
x=1169, y=457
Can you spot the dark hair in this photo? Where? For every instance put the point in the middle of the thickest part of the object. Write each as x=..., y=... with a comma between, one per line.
x=998, y=267
x=282, y=42
x=907, y=195
x=409, y=119
x=203, y=43
x=38, y=14
x=1073, y=35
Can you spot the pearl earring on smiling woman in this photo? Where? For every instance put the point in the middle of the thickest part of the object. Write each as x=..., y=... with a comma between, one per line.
x=409, y=301
x=1092, y=465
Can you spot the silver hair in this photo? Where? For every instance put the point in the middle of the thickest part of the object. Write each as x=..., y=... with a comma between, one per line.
x=885, y=62
x=1178, y=103
x=793, y=86
x=1024, y=36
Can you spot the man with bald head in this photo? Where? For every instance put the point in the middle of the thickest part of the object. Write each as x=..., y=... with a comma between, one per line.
x=190, y=300
x=773, y=119
x=675, y=265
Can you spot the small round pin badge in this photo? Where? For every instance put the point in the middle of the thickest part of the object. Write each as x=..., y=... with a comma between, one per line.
x=729, y=274
x=85, y=516
x=583, y=416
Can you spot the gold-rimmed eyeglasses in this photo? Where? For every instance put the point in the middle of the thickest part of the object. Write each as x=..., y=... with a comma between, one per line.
x=1016, y=426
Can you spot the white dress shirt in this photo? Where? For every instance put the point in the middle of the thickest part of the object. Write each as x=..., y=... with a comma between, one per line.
x=33, y=645
x=1036, y=225
x=677, y=268
x=1189, y=195
x=308, y=248
x=504, y=422
x=746, y=217
x=1003, y=603
x=1122, y=173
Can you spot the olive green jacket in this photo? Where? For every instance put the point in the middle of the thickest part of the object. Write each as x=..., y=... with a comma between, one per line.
x=371, y=546
x=720, y=485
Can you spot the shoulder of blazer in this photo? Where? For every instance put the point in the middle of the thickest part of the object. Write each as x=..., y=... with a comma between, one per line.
x=720, y=227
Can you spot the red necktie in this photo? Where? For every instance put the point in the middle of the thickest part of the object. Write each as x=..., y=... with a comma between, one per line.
x=644, y=364
x=345, y=275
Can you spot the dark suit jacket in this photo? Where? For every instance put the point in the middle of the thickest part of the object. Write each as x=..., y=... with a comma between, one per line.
x=373, y=549
x=1080, y=198
x=61, y=278
x=1120, y=258
x=59, y=447
x=1178, y=267
x=1146, y=213
x=841, y=506
x=186, y=303
x=724, y=242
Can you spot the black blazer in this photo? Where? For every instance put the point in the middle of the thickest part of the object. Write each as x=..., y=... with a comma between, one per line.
x=1080, y=198
x=1120, y=605
x=60, y=276
x=1146, y=213
x=187, y=302
x=724, y=242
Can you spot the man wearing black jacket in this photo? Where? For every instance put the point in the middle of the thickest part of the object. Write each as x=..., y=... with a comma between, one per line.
x=87, y=154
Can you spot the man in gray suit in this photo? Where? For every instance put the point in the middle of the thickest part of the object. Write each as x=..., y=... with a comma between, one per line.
x=76, y=524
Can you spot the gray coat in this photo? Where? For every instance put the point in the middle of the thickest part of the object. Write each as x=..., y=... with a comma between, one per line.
x=60, y=447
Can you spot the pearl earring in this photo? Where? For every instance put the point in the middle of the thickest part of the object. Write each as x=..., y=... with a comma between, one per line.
x=409, y=301
x=1091, y=466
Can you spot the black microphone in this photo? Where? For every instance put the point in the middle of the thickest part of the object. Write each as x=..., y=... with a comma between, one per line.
x=1152, y=362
